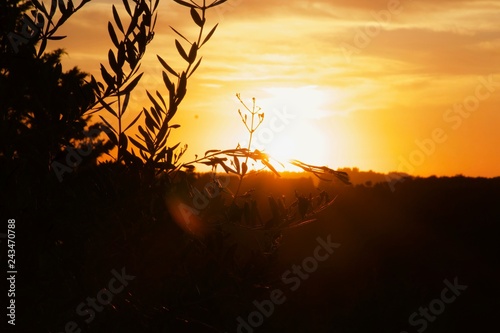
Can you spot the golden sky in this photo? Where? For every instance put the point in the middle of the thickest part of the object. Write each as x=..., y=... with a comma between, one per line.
x=410, y=86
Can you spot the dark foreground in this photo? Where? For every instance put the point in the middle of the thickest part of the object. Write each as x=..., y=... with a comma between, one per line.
x=98, y=255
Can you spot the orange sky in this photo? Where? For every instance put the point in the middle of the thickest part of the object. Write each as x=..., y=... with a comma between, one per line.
x=418, y=92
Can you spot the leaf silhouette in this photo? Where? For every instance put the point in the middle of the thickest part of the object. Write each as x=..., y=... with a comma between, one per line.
x=211, y=151
x=137, y=144
x=53, y=7
x=133, y=121
x=270, y=167
x=153, y=100
x=169, y=84
x=117, y=19
x=113, y=63
x=181, y=35
x=216, y=3
x=132, y=85
x=125, y=103
x=244, y=168
x=107, y=106
x=181, y=50
x=236, y=164
x=127, y=7
x=166, y=66
x=195, y=67
x=192, y=53
x=155, y=115
x=106, y=122
x=161, y=99
x=56, y=37
x=209, y=35
x=110, y=81
x=112, y=34
x=196, y=17
x=62, y=6
x=112, y=137
x=150, y=123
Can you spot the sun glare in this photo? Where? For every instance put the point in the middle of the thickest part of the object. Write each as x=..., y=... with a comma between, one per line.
x=296, y=125
x=290, y=130
x=303, y=142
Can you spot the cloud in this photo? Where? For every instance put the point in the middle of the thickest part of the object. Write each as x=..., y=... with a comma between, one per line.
x=421, y=62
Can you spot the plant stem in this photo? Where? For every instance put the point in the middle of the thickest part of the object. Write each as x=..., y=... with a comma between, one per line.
x=203, y=9
x=118, y=155
x=251, y=131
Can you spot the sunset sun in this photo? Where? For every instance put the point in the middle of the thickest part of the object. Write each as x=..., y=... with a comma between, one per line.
x=290, y=128
x=303, y=141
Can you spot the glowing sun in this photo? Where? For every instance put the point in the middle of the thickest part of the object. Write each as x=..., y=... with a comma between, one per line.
x=291, y=128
